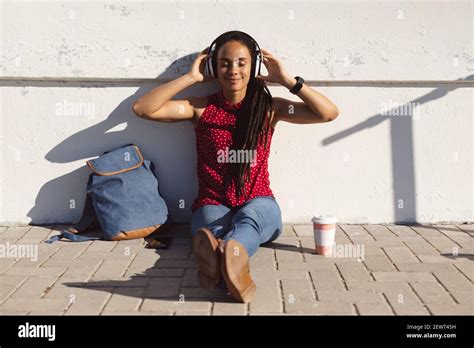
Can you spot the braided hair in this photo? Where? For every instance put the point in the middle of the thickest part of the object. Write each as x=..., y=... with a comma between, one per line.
x=253, y=116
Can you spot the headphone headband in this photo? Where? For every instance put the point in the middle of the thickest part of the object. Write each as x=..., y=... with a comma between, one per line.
x=258, y=51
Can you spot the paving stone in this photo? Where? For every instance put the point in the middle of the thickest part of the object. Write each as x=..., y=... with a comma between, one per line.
x=354, y=271
x=443, y=259
x=467, y=269
x=155, y=272
x=111, y=268
x=289, y=254
x=403, y=277
x=421, y=247
x=373, y=309
x=69, y=251
x=456, y=234
x=190, y=278
x=351, y=296
x=102, y=245
x=176, y=253
x=6, y=264
x=423, y=267
x=146, y=260
x=71, y=263
x=400, y=255
x=454, y=281
x=469, y=228
x=35, y=304
x=164, y=287
x=268, y=299
x=405, y=302
x=13, y=233
x=73, y=294
x=378, y=286
x=373, y=250
x=432, y=293
x=403, y=231
x=229, y=308
x=327, y=279
x=175, y=264
x=450, y=309
x=125, y=300
x=356, y=232
x=6, y=290
x=379, y=232
x=87, y=307
x=34, y=287
x=263, y=259
x=320, y=308
x=305, y=230
x=378, y=263
x=442, y=243
x=426, y=231
x=278, y=274
x=203, y=294
x=288, y=231
x=171, y=305
x=37, y=233
x=36, y=271
x=297, y=290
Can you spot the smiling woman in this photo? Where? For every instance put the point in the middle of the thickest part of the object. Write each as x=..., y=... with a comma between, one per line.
x=235, y=210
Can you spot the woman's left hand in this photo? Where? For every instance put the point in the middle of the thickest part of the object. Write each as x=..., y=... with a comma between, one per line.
x=276, y=72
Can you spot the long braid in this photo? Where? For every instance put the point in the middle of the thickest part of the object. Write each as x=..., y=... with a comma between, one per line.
x=253, y=117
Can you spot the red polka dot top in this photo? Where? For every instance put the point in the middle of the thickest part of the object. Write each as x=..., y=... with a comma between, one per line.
x=214, y=155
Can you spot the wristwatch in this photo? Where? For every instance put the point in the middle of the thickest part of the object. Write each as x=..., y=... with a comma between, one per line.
x=299, y=84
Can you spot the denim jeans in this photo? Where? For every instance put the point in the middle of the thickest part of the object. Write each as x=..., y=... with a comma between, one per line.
x=255, y=222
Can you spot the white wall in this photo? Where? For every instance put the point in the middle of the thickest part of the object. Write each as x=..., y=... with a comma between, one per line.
x=365, y=167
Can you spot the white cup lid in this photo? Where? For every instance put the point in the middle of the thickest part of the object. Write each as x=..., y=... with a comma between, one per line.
x=324, y=219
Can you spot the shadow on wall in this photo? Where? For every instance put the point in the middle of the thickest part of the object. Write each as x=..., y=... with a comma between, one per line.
x=403, y=161
x=170, y=146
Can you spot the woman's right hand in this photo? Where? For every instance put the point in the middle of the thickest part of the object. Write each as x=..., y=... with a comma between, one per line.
x=197, y=68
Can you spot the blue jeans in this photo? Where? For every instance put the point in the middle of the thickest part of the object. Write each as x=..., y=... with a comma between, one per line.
x=255, y=222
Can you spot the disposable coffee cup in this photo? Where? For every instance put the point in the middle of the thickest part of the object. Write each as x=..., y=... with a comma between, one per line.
x=324, y=227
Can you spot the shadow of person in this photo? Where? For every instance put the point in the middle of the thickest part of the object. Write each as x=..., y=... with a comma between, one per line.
x=170, y=146
x=173, y=276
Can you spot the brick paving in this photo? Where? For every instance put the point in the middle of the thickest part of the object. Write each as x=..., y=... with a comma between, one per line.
x=407, y=270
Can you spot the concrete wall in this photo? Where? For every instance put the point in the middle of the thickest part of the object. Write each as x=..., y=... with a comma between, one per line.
x=412, y=59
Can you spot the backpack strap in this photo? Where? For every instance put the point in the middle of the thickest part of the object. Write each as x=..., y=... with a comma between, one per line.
x=87, y=219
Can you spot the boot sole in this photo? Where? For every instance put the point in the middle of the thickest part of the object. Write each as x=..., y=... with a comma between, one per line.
x=205, y=249
x=236, y=273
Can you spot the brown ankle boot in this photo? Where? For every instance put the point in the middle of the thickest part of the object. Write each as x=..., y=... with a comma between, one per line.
x=236, y=272
x=205, y=248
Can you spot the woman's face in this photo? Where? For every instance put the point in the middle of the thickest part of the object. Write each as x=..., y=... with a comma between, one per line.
x=234, y=66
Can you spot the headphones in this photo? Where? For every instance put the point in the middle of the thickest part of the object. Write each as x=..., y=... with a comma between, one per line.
x=259, y=57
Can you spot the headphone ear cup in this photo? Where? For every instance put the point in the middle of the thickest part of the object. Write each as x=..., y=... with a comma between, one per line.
x=209, y=69
x=258, y=64
x=206, y=66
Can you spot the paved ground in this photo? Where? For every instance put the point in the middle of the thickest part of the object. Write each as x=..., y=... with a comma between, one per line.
x=425, y=270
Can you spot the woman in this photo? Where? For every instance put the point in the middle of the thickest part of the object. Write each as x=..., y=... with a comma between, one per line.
x=235, y=210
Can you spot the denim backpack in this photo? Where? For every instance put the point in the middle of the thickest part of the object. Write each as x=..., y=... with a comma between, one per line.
x=122, y=196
